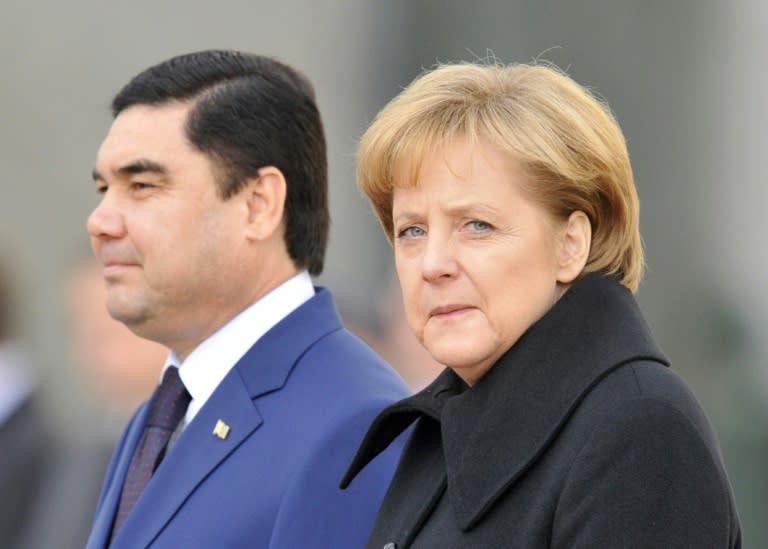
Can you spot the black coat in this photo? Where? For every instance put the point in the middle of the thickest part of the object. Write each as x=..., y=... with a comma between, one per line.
x=578, y=437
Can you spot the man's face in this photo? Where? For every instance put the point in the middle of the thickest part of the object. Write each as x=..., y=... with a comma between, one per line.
x=168, y=243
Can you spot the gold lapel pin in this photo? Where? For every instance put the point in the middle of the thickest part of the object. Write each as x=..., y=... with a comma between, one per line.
x=221, y=430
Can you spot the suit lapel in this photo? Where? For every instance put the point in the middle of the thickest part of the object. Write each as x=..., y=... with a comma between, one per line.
x=197, y=452
x=268, y=364
x=110, y=498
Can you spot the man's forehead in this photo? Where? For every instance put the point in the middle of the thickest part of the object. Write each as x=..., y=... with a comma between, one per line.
x=143, y=133
x=148, y=120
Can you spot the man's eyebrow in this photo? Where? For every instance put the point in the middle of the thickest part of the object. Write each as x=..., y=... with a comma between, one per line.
x=137, y=167
x=142, y=166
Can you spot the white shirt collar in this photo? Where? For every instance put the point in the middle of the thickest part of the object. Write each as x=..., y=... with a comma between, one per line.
x=209, y=363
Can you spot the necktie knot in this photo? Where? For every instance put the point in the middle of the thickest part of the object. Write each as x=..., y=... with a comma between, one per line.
x=170, y=402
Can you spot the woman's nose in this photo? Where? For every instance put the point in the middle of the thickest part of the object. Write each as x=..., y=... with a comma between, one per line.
x=439, y=261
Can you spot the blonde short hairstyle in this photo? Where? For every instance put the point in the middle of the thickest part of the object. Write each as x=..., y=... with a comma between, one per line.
x=568, y=143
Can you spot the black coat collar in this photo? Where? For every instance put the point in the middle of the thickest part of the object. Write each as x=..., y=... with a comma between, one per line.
x=494, y=431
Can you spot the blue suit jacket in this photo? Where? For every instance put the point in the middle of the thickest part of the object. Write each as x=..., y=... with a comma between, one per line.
x=297, y=404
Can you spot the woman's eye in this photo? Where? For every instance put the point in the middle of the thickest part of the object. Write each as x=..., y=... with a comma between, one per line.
x=410, y=232
x=479, y=226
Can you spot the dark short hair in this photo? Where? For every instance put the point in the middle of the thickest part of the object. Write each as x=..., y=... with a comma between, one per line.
x=250, y=111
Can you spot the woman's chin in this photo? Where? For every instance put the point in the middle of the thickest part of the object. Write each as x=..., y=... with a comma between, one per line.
x=467, y=364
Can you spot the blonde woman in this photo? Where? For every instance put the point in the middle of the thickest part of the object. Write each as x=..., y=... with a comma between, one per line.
x=508, y=196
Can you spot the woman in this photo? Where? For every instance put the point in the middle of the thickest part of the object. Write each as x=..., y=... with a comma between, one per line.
x=508, y=196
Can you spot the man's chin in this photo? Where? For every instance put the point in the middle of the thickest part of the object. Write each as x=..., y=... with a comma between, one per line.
x=132, y=317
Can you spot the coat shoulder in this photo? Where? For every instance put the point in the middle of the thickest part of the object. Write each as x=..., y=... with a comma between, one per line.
x=642, y=452
x=357, y=373
x=646, y=392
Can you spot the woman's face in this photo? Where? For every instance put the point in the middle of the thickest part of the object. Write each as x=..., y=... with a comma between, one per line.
x=478, y=260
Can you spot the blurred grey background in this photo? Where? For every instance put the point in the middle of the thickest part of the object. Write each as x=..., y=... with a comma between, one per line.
x=686, y=80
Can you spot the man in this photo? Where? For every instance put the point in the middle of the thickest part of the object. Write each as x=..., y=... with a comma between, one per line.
x=212, y=217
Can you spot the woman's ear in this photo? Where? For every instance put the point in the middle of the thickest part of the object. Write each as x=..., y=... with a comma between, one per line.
x=575, y=243
x=265, y=200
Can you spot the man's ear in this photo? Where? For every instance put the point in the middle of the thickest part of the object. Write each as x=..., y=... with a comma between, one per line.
x=574, y=245
x=265, y=200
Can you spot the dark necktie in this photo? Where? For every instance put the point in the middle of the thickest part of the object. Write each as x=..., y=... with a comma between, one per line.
x=168, y=407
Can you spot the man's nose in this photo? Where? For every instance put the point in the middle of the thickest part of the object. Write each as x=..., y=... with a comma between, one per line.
x=106, y=220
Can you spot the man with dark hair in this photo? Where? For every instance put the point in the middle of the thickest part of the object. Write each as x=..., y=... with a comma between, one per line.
x=212, y=217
